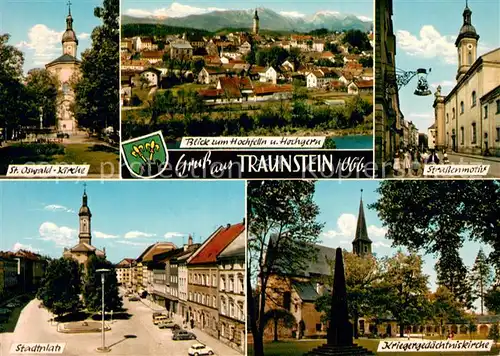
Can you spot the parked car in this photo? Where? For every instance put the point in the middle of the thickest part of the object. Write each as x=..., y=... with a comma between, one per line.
x=160, y=318
x=169, y=324
x=62, y=135
x=181, y=334
x=134, y=299
x=199, y=350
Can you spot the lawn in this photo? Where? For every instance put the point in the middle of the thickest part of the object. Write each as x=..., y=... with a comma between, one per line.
x=300, y=347
x=97, y=156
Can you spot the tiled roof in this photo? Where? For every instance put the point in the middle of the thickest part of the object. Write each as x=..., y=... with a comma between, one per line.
x=234, y=85
x=305, y=290
x=327, y=54
x=235, y=248
x=152, y=54
x=211, y=249
x=210, y=93
x=154, y=249
x=365, y=84
x=271, y=89
x=65, y=58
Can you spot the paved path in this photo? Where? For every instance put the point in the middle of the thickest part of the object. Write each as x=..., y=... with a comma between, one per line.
x=34, y=326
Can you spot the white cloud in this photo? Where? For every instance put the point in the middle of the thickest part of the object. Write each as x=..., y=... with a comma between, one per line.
x=44, y=41
x=102, y=235
x=346, y=229
x=174, y=10
x=169, y=235
x=132, y=243
x=414, y=115
x=60, y=235
x=364, y=18
x=19, y=246
x=292, y=14
x=444, y=84
x=58, y=208
x=429, y=44
x=135, y=234
x=83, y=36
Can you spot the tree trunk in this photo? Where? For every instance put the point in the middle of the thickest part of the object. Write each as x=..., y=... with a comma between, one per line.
x=481, y=293
x=356, y=320
x=401, y=330
x=258, y=344
x=275, y=329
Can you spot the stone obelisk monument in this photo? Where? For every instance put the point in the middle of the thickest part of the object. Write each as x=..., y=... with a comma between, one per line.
x=339, y=334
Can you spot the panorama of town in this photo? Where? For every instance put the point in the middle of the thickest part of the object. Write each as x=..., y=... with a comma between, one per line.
x=192, y=82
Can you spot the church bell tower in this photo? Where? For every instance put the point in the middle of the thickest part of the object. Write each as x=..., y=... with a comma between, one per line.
x=256, y=23
x=361, y=245
x=85, y=216
x=466, y=43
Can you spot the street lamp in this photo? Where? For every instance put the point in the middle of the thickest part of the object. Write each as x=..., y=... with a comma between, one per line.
x=103, y=347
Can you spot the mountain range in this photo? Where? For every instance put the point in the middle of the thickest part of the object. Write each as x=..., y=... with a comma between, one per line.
x=269, y=20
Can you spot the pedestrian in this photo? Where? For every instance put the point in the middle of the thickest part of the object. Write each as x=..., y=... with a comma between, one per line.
x=192, y=323
x=396, y=166
x=446, y=160
x=407, y=162
x=415, y=164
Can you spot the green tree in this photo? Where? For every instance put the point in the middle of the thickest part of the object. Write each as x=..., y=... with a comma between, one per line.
x=332, y=47
x=494, y=333
x=282, y=230
x=492, y=300
x=406, y=289
x=453, y=274
x=60, y=287
x=366, y=62
x=197, y=65
x=434, y=215
x=163, y=103
x=357, y=38
x=92, y=288
x=279, y=315
x=362, y=275
x=480, y=277
x=97, y=89
x=43, y=87
x=445, y=308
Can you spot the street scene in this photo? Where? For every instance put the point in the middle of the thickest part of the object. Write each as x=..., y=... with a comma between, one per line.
x=438, y=100
x=59, y=87
x=180, y=293
x=227, y=70
x=340, y=276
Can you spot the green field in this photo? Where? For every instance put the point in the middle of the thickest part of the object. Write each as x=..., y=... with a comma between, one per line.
x=299, y=347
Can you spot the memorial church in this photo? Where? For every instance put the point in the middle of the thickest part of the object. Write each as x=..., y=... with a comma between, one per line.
x=467, y=119
x=84, y=249
x=64, y=68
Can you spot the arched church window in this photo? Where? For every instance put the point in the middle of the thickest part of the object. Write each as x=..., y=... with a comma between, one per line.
x=447, y=117
x=65, y=88
x=461, y=107
x=474, y=133
x=470, y=57
x=453, y=114
x=474, y=98
x=462, y=134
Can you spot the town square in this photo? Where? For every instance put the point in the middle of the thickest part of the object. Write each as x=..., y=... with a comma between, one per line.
x=169, y=280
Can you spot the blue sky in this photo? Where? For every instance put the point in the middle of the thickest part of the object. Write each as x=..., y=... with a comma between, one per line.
x=126, y=216
x=36, y=27
x=339, y=204
x=426, y=31
x=142, y=8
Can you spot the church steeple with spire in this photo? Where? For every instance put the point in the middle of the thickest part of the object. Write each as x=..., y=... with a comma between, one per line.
x=466, y=43
x=85, y=217
x=69, y=40
x=256, y=23
x=361, y=245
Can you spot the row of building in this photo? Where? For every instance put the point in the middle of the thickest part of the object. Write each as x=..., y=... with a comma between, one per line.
x=202, y=282
x=20, y=272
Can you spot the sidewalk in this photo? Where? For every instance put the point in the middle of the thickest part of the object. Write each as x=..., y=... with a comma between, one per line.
x=484, y=158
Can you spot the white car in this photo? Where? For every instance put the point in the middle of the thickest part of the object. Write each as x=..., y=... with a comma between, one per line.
x=199, y=350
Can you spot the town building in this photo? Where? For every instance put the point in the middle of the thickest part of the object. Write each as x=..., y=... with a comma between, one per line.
x=64, y=68
x=181, y=50
x=8, y=276
x=144, y=277
x=124, y=274
x=463, y=122
x=203, y=278
x=388, y=115
x=232, y=311
x=84, y=249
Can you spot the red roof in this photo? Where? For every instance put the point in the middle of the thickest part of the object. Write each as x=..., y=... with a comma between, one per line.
x=209, y=252
x=365, y=84
x=271, y=89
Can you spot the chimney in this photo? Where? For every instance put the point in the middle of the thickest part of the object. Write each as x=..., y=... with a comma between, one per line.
x=243, y=222
x=228, y=226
